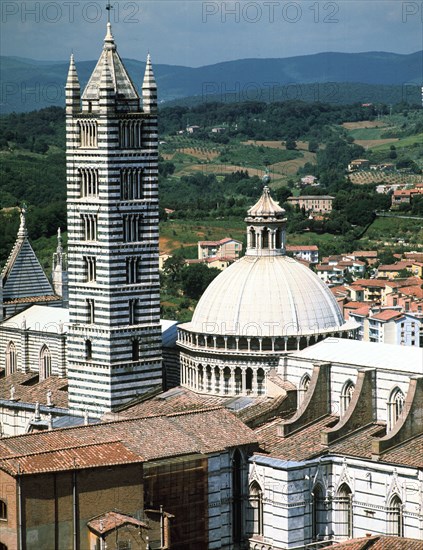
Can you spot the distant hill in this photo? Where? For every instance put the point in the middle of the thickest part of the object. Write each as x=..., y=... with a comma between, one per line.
x=28, y=84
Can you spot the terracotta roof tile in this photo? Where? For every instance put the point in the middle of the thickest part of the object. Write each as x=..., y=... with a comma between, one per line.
x=29, y=390
x=139, y=439
x=387, y=315
x=299, y=446
x=100, y=525
x=379, y=542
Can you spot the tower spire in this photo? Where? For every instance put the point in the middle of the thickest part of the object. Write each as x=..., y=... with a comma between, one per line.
x=72, y=88
x=149, y=88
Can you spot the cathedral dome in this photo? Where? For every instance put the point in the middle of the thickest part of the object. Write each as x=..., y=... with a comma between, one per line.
x=267, y=296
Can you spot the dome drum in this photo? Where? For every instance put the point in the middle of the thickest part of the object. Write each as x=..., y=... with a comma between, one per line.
x=256, y=311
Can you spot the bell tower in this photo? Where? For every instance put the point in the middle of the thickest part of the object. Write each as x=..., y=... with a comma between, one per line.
x=114, y=339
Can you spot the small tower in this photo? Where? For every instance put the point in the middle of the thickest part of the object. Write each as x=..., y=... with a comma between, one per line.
x=60, y=271
x=266, y=226
x=114, y=339
x=23, y=281
x=149, y=89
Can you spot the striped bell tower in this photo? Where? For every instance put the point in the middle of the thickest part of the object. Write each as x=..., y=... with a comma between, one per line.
x=114, y=339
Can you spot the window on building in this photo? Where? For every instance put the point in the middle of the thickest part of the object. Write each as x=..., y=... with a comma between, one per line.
x=90, y=311
x=130, y=134
x=90, y=268
x=3, y=510
x=11, y=358
x=45, y=363
x=319, y=513
x=304, y=384
x=89, y=227
x=237, y=496
x=346, y=396
x=131, y=183
x=3, y=546
x=88, y=350
x=395, y=519
x=132, y=270
x=395, y=407
x=132, y=306
x=88, y=133
x=131, y=228
x=344, y=517
x=135, y=350
x=88, y=182
x=256, y=509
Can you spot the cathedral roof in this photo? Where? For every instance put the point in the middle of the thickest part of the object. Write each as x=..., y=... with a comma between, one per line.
x=267, y=296
x=122, y=83
x=23, y=276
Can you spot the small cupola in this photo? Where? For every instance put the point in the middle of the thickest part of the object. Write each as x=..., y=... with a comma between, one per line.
x=266, y=226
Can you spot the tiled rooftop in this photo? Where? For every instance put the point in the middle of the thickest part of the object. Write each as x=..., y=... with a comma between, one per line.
x=379, y=542
x=29, y=390
x=132, y=440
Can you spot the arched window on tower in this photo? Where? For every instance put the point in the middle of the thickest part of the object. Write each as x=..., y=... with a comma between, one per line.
x=302, y=390
x=255, y=519
x=344, y=517
x=135, y=349
x=11, y=360
x=88, y=350
x=346, y=396
x=395, y=407
x=45, y=363
x=395, y=520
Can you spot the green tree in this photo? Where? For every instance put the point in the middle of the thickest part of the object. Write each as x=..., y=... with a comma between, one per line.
x=196, y=278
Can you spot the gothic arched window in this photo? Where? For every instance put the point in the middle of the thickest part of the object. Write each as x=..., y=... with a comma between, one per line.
x=346, y=396
x=319, y=513
x=255, y=509
x=237, y=496
x=395, y=406
x=394, y=516
x=45, y=363
x=11, y=361
x=344, y=515
x=304, y=384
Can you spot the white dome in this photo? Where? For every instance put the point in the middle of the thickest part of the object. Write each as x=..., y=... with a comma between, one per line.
x=267, y=296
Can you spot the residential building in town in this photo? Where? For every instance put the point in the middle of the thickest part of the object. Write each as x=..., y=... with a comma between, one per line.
x=228, y=248
x=308, y=253
x=320, y=204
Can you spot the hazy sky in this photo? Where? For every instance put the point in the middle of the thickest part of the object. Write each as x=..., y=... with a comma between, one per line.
x=196, y=33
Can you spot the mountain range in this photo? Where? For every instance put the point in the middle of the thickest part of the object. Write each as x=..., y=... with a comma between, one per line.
x=28, y=84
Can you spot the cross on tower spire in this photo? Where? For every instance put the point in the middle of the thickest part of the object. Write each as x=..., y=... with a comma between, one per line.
x=109, y=7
